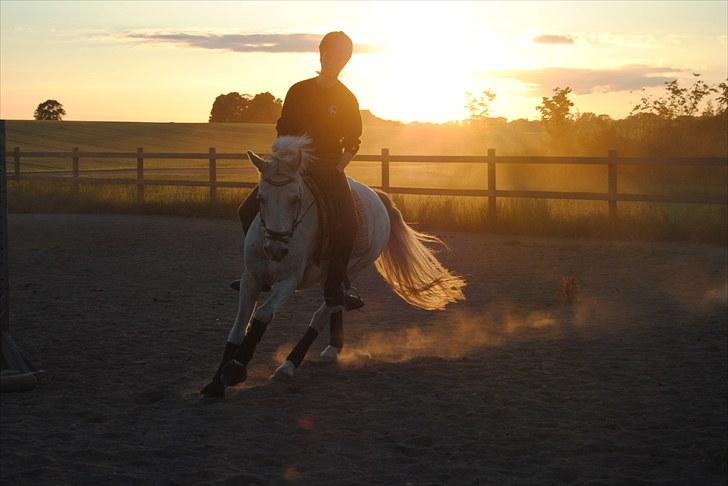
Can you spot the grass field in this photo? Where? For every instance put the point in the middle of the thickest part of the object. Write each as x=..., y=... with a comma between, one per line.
x=637, y=220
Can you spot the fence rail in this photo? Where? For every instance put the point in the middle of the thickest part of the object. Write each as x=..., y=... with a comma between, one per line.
x=611, y=160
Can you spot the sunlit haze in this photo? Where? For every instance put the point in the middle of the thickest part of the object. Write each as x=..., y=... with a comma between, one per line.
x=167, y=61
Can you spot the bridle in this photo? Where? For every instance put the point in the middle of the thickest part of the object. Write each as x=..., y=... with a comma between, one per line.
x=283, y=236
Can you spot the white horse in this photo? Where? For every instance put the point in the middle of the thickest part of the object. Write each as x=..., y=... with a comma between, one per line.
x=278, y=250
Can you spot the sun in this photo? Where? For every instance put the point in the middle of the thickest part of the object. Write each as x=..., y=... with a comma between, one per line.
x=429, y=58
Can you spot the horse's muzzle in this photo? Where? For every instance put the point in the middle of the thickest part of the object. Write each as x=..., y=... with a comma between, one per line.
x=275, y=251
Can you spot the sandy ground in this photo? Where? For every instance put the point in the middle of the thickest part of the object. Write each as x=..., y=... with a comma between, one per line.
x=129, y=315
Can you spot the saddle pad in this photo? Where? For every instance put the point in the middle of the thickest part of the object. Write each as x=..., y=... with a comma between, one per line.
x=323, y=245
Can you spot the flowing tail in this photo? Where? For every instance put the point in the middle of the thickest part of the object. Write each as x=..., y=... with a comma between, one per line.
x=411, y=268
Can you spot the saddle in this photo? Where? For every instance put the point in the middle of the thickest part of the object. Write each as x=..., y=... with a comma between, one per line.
x=324, y=244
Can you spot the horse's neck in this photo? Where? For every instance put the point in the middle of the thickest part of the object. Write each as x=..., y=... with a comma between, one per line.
x=305, y=237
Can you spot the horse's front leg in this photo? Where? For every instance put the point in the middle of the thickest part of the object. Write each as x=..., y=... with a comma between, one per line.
x=235, y=371
x=322, y=315
x=247, y=296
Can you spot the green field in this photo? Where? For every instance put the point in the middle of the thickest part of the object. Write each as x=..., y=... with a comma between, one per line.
x=641, y=220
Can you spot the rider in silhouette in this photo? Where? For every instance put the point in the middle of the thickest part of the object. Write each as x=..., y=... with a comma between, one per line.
x=325, y=110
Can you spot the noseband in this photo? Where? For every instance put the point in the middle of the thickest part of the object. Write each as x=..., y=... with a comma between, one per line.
x=283, y=236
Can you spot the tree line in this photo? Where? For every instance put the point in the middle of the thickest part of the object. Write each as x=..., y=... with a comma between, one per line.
x=682, y=121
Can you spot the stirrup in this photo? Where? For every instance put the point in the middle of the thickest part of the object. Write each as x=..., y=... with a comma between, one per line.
x=352, y=300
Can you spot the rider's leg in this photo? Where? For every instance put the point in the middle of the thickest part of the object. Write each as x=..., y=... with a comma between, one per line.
x=342, y=238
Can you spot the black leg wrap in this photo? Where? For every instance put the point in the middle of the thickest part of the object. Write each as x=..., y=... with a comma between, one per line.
x=230, y=351
x=252, y=337
x=216, y=388
x=299, y=352
x=336, y=328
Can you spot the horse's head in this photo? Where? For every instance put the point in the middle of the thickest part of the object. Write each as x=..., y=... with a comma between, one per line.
x=280, y=191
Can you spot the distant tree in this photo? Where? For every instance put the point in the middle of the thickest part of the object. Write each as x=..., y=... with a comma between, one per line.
x=49, y=110
x=722, y=99
x=556, y=111
x=479, y=106
x=228, y=108
x=678, y=101
x=556, y=114
x=263, y=108
x=234, y=107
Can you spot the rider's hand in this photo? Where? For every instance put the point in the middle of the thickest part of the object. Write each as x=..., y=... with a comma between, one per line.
x=344, y=161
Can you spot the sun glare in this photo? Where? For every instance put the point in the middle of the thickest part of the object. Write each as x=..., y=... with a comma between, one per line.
x=430, y=57
x=425, y=65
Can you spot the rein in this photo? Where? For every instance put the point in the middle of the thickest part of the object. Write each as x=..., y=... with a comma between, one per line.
x=283, y=236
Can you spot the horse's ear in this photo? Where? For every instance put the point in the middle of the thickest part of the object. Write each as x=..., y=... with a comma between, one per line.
x=258, y=161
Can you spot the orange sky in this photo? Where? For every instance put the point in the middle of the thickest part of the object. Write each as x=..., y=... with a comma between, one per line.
x=167, y=61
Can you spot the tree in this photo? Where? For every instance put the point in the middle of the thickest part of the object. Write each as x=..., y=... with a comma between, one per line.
x=263, y=108
x=234, y=107
x=228, y=108
x=479, y=106
x=678, y=101
x=49, y=110
x=723, y=97
x=556, y=111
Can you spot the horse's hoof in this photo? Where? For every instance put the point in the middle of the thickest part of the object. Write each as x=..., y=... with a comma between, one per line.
x=330, y=354
x=284, y=372
x=233, y=372
x=213, y=390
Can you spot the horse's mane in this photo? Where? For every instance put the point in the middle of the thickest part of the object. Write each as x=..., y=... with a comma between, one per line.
x=286, y=151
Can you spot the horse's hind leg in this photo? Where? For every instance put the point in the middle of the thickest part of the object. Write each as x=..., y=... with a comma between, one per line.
x=336, y=338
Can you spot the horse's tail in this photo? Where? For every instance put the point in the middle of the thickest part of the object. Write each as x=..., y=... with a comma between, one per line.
x=411, y=268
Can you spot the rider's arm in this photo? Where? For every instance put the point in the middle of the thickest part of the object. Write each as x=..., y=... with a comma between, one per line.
x=352, y=128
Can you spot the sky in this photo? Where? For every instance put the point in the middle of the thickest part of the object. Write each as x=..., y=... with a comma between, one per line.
x=413, y=61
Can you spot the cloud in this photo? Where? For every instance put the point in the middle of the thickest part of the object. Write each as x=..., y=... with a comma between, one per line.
x=584, y=81
x=238, y=42
x=553, y=39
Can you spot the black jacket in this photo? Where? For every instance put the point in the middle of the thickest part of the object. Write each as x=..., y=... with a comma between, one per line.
x=330, y=116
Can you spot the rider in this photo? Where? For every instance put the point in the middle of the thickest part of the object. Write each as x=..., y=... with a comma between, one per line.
x=324, y=109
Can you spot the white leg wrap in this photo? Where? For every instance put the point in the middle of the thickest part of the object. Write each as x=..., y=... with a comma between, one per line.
x=284, y=372
x=330, y=353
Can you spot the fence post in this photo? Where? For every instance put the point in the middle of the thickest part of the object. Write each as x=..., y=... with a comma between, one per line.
x=16, y=162
x=74, y=155
x=140, y=174
x=491, y=188
x=213, y=174
x=613, y=185
x=385, y=169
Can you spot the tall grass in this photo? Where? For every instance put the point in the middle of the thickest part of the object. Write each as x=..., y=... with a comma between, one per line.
x=675, y=222
x=517, y=216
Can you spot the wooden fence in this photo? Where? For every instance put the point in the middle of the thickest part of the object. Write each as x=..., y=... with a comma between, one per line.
x=490, y=190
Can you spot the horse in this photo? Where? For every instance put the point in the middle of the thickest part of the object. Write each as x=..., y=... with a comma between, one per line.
x=279, y=250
